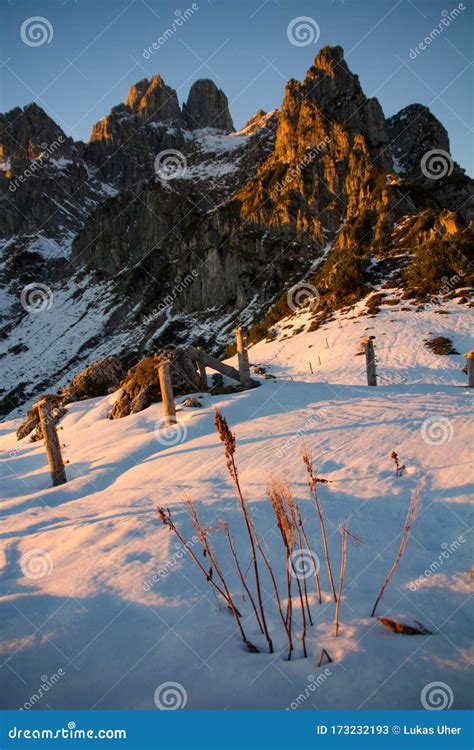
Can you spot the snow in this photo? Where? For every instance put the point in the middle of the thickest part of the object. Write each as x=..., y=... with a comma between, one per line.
x=122, y=609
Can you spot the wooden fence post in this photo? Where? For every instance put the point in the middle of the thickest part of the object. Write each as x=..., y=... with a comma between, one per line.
x=470, y=368
x=51, y=443
x=202, y=372
x=368, y=345
x=243, y=358
x=169, y=410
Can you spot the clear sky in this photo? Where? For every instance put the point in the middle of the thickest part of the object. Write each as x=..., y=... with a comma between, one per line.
x=96, y=51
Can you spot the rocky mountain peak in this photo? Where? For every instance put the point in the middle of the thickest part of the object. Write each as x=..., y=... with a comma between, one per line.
x=207, y=107
x=154, y=100
x=413, y=131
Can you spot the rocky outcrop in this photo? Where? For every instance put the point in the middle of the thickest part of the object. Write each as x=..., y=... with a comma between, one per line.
x=421, y=151
x=99, y=379
x=141, y=387
x=207, y=107
x=160, y=258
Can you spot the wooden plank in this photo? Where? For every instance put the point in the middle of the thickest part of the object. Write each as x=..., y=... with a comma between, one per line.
x=243, y=358
x=368, y=345
x=51, y=443
x=470, y=369
x=169, y=410
x=209, y=361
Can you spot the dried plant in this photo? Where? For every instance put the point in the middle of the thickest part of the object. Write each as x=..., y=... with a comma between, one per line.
x=409, y=521
x=225, y=526
x=341, y=579
x=324, y=654
x=399, y=468
x=165, y=517
x=345, y=534
x=313, y=481
x=228, y=439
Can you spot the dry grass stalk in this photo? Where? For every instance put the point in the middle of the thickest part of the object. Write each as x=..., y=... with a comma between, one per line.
x=303, y=538
x=228, y=439
x=202, y=534
x=283, y=505
x=324, y=654
x=409, y=521
x=225, y=526
x=313, y=481
x=341, y=580
x=165, y=517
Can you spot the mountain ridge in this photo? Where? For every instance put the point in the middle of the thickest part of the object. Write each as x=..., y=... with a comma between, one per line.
x=318, y=186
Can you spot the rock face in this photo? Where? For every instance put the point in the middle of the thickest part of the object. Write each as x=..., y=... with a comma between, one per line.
x=100, y=378
x=137, y=259
x=207, y=107
x=141, y=386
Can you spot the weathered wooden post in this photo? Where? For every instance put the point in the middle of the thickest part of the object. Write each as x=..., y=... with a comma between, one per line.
x=202, y=372
x=470, y=368
x=368, y=345
x=169, y=410
x=243, y=358
x=51, y=443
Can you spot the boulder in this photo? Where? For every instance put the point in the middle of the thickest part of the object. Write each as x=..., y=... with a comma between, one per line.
x=141, y=386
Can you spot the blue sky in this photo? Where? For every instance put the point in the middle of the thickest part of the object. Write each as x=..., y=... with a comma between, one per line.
x=97, y=51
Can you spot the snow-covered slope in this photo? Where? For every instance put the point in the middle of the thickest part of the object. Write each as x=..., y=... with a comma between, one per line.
x=96, y=591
